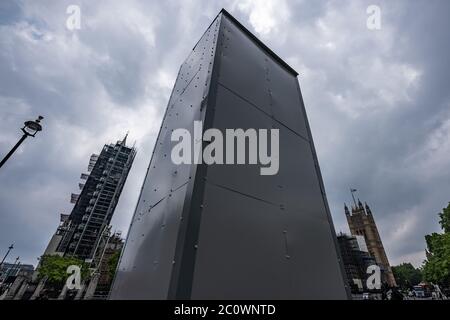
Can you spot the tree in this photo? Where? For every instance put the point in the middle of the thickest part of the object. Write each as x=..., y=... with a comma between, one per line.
x=112, y=264
x=406, y=275
x=54, y=268
x=437, y=266
x=445, y=219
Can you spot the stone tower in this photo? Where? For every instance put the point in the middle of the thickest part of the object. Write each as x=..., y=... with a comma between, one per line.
x=361, y=222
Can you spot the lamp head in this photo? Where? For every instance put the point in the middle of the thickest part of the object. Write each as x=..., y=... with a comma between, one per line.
x=32, y=127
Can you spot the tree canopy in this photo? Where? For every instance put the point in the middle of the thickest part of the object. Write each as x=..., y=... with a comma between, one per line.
x=112, y=264
x=406, y=275
x=54, y=268
x=437, y=266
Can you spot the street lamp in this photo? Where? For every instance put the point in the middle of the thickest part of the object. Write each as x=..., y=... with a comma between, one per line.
x=29, y=129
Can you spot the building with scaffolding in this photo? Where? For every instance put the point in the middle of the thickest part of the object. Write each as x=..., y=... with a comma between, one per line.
x=80, y=233
x=356, y=259
x=105, y=263
x=86, y=232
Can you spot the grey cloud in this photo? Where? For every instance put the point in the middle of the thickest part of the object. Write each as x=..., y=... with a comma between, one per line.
x=376, y=127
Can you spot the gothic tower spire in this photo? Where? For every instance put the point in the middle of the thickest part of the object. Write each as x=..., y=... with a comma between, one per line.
x=362, y=223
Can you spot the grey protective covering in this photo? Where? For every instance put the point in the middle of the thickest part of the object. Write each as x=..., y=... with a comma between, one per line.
x=225, y=231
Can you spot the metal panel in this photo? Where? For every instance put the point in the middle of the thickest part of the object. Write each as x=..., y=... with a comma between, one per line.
x=145, y=266
x=241, y=248
x=147, y=275
x=298, y=178
x=243, y=66
x=264, y=237
x=230, y=232
x=234, y=112
x=253, y=74
x=314, y=269
x=284, y=99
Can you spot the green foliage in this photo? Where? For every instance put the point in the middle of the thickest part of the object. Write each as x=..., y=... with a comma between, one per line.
x=54, y=268
x=437, y=266
x=406, y=275
x=445, y=219
x=112, y=264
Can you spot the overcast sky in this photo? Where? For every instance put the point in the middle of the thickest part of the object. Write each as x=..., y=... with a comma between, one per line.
x=378, y=102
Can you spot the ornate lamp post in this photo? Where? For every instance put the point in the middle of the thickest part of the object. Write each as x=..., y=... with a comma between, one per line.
x=29, y=129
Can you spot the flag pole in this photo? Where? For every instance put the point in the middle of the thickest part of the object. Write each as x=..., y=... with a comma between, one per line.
x=353, y=196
